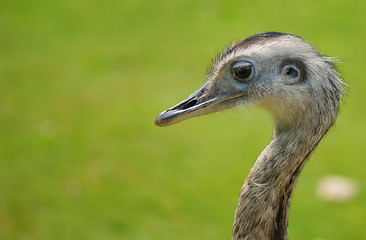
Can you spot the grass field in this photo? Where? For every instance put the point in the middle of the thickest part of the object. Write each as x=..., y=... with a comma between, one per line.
x=82, y=81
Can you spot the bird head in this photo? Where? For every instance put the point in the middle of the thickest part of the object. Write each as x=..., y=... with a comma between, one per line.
x=277, y=71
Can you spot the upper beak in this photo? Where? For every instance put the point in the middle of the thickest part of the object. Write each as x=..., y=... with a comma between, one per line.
x=199, y=103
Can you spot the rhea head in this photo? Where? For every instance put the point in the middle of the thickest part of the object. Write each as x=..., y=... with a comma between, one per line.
x=277, y=71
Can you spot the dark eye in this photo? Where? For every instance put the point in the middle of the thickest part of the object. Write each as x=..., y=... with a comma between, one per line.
x=242, y=71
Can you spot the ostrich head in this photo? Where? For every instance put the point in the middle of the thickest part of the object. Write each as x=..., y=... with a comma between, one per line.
x=277, y=71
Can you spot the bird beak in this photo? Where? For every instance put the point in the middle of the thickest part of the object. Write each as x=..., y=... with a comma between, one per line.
x=201, y=102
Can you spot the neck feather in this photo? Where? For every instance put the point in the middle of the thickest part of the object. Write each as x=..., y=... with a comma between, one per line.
x=264, y=201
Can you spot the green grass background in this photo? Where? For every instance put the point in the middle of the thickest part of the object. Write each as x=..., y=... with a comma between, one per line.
x=82, y=81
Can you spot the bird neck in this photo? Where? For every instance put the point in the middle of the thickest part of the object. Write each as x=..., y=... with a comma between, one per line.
x=264, y=201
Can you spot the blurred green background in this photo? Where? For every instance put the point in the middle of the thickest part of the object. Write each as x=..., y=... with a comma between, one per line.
x=82, y=81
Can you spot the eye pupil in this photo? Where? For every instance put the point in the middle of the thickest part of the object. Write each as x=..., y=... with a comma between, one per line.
x=242, y=72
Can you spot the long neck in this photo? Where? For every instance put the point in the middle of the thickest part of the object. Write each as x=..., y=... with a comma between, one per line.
x=264, y=201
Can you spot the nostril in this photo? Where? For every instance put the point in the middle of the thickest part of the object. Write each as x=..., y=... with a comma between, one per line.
x=189, y=104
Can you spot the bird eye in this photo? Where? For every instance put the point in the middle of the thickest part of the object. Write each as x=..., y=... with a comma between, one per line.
x=242, y=71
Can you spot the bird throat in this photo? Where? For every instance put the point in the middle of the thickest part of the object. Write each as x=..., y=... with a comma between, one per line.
x=264, y=201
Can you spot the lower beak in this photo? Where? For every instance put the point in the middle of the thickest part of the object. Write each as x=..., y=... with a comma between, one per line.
x=199, y=103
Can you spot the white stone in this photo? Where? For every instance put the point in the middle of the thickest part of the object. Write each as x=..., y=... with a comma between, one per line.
x=335, y=188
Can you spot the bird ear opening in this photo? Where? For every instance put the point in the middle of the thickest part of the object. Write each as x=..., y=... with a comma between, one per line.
x=293, y=71
x=290, y=74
